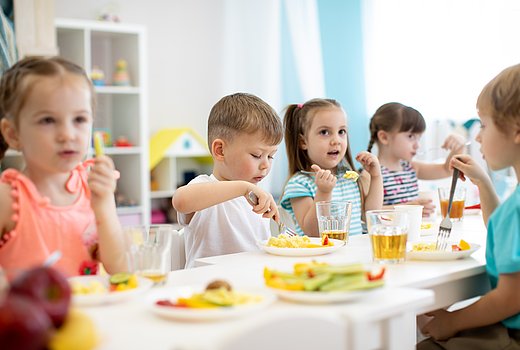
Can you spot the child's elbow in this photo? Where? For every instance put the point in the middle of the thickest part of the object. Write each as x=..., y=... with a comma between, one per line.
x=179, y=201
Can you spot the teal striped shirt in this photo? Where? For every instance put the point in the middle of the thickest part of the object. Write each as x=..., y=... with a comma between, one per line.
x=303, y=185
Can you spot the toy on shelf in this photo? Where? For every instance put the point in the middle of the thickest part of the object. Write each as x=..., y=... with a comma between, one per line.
x=121, y=77
x=106, y=136
x=97, y=76
x=122, y=141
x=124, y=201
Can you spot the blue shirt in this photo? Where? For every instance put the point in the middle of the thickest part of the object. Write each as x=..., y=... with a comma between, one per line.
x=503, y=245
x=303, y=185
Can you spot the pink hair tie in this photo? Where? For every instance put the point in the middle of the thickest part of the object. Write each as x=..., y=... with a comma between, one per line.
x=299, y=105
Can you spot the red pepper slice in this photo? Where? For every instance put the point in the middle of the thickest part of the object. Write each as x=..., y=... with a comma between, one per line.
x=325, y=240
x=376, y=274
x=455, y=248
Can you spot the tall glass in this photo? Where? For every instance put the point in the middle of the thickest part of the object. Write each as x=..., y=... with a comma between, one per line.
x=149, y=251
x=334, y=219
x=388, y=230
x=457, y=207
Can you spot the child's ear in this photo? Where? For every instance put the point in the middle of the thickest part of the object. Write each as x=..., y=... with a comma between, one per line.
x=382, y=137
x=10, y=134
x=217, y=149
x=516, y=134
x=302, y=144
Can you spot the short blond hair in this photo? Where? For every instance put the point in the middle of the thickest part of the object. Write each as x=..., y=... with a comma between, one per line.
x=243, y=113
x=500, y=99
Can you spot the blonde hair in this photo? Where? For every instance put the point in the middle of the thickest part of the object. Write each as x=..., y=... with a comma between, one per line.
x=500, y=99
x=16, y=84
x=243, y=113
x=395, y=116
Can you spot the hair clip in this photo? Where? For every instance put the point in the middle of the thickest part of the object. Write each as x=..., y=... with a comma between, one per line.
x=299, y=105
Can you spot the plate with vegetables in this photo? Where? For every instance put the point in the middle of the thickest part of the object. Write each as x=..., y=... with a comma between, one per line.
x=285, y=245
x=98, y=290
x=317, y=283
x=454, y=251
x=216, y=301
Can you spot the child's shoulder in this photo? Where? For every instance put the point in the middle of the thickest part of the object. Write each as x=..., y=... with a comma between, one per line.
x=6, y=207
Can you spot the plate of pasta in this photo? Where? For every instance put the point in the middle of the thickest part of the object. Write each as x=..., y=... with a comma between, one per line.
x=284, y=245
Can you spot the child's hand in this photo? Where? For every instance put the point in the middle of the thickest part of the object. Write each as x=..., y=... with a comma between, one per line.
x=454, y=143
x=102, y=181
x=370, y=163
x=468, y=167
x=440, y=327
x=325, y=179
x=266, y=205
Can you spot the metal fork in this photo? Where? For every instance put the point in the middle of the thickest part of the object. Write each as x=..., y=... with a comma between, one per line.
x=282, y=228
x=445, y=226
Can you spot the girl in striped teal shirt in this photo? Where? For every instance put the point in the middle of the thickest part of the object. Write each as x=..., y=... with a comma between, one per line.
x=318, y=151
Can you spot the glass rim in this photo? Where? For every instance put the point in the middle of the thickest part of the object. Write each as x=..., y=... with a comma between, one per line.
x=334, y=201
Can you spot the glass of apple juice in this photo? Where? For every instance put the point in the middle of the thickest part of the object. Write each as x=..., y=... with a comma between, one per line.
x=388, y=231
x=149, y=251
x=334, y=219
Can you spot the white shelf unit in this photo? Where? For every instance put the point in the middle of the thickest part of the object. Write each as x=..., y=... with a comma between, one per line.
x=120, y=109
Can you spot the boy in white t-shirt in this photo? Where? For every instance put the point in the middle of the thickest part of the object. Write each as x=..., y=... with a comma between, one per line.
x=243, y=135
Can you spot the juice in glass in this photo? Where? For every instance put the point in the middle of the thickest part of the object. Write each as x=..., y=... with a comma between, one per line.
x=341, y=235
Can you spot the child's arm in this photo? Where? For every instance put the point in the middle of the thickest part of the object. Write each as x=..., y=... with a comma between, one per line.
x=488, y=197
x=198, y=196
x=497, y=305
x=6, y=209
x=102, y=184
x=428, y=171
x=305, y=207
x=374, y=185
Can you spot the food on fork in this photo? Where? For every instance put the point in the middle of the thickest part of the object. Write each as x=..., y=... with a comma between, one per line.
x=217, y=294
x=322, y=277
x=351, y=175
x=288, y=241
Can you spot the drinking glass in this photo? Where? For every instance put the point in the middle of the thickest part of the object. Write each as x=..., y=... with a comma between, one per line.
x=457, y=207
x=388, y=230
x=334, y=219
x=149, y=251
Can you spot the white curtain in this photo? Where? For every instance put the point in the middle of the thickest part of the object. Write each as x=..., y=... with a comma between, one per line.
x=436, y=55
x=304, y=30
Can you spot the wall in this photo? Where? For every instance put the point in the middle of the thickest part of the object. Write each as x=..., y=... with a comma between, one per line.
x=183, y=41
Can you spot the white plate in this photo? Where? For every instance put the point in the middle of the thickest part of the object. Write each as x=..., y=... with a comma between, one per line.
x=219, y=313
x=323, y=297
x=443, y=255
x=303, y=251
x=108, y=297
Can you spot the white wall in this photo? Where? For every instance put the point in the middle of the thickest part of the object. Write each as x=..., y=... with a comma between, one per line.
x=184, y=39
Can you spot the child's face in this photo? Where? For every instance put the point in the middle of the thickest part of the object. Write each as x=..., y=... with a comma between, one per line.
x=404, y=145
x=497, y=148
x=55, y=123
x=247, y=157
x=326, y=139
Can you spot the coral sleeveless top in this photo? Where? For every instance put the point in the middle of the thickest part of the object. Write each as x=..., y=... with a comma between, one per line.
x=42, y=228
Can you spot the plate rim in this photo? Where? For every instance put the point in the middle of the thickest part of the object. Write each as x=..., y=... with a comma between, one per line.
x=180, y=314
x=308, y=297
x=286, y=251
x=109, y=297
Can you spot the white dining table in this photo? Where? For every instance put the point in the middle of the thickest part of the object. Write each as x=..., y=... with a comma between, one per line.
x=384, y=319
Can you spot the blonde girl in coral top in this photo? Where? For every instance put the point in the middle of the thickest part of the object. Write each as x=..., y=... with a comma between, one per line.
x=54, y=203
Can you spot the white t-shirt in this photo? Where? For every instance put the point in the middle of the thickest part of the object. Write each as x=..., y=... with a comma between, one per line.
x=225, y=228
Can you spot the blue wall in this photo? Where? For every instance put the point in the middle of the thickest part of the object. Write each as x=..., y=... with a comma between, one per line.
x=342, y=47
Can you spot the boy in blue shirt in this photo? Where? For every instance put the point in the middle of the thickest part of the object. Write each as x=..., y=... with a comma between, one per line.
x=493, y=322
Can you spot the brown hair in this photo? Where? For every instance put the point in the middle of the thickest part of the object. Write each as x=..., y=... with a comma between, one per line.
x=500, y=98
x=243, y=113
x=15, y=85
x=395, y=116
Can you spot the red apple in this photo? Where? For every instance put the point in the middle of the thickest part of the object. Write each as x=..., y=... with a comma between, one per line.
x=24, y=325
x=48, y=288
